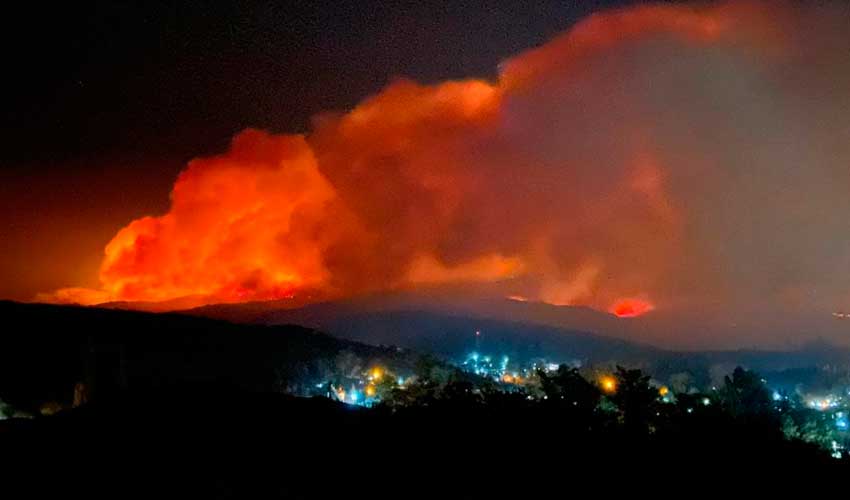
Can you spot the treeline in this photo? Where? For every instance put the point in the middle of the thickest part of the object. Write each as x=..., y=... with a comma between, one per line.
x=626, y=403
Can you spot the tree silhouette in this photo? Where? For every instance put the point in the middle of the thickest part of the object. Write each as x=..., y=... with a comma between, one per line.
x=636, y=400
x=567, y=388
x=745, y=395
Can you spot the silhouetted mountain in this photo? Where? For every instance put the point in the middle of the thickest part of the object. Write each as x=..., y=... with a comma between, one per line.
x=46, y=350
x=444, y=322
x=444, y=300
x=694, y=327
x=454, y=336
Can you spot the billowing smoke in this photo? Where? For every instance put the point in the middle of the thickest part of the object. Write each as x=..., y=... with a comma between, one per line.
x=657, y=157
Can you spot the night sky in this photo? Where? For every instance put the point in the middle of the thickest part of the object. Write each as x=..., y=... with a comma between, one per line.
x=106, y=101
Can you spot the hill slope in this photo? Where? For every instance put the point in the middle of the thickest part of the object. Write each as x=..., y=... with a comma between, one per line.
x=47, y=350
x=445, y=324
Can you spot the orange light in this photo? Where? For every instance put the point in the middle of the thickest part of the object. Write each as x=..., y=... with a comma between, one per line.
x=663, y=390
x=608, y=384
x=377, y=373
x=630, y=308
x=370, y=390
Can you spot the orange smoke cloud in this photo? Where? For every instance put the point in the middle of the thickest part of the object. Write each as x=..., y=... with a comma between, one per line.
x=604, y=164
x=241, y=227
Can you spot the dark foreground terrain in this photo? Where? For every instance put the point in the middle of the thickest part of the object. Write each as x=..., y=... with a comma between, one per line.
x=195, y=408
x=47, y=353
x=252, y=446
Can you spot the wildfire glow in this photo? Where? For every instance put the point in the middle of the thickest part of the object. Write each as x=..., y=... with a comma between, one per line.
x=561, y=180
x=630, y=308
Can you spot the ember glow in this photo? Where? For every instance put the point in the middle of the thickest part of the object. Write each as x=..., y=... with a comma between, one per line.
x=643, y=153
x=631, y=308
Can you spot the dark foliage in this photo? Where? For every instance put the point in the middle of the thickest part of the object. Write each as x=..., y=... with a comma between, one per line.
x=45, y=351
x=193, y=411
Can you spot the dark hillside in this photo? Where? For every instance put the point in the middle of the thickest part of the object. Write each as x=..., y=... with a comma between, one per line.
x=47, y=353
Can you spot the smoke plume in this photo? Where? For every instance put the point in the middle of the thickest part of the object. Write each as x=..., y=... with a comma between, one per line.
x=657, y=157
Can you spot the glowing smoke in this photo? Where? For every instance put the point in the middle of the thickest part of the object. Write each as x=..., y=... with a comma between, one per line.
x=678, y=154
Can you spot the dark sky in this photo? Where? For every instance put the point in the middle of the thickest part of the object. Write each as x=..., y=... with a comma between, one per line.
x=105, y=101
